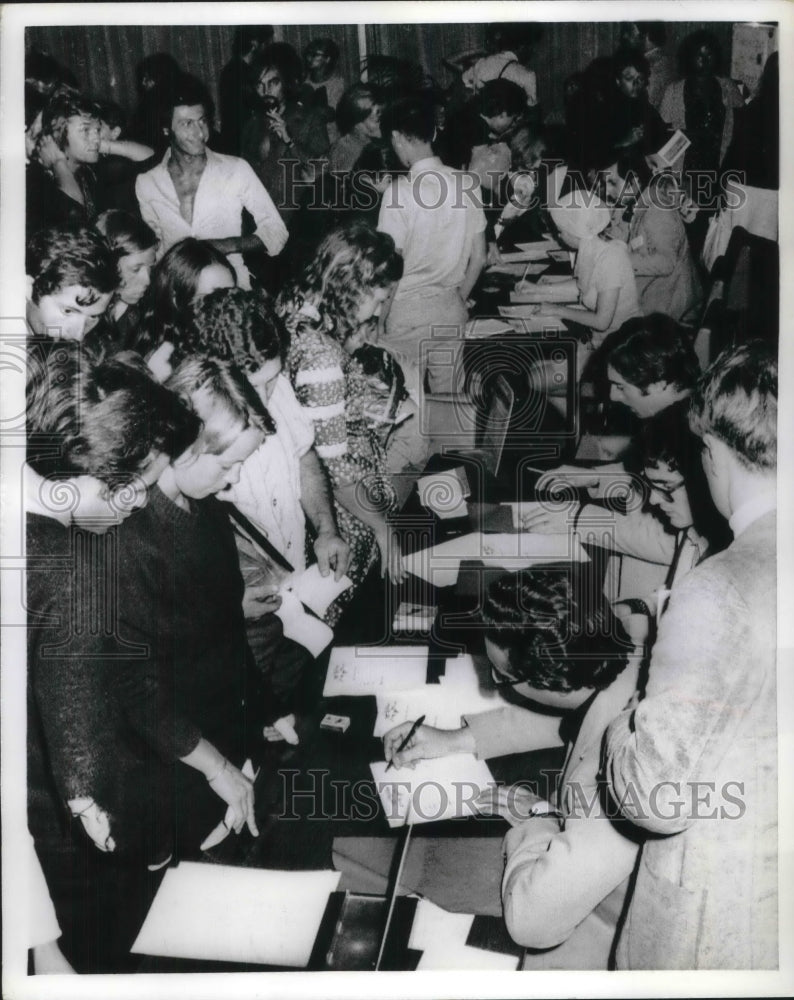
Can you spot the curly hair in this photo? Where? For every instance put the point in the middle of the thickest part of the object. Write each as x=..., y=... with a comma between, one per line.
x=99, y=418
x=58, y=258
x=235, y=325
x=64, y=104
x=350, y=263
x=652, y=348
x=558, y=632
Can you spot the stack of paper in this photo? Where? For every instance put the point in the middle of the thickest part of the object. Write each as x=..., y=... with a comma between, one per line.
x=363, y=670
x=226, y=914
x=431, y=790
x=440, y=564
x=530, y=321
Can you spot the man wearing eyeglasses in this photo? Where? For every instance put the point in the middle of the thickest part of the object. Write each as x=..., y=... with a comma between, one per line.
x=197, y=192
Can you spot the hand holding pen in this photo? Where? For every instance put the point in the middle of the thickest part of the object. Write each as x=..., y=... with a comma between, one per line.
x=410, y=742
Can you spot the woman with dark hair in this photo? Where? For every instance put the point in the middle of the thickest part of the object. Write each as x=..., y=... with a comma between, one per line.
x=652, y=225
x=343, y=288
x=286, y=139
x=554, y=643
x=702, y=104
x=190, y=270
x=134, y=248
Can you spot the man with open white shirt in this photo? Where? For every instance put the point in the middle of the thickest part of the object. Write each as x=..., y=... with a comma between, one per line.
x=197, y=192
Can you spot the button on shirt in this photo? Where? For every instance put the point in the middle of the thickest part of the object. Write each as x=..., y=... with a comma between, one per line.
x=225, y=188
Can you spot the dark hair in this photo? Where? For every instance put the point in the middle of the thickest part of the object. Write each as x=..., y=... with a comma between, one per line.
x=169, y=307
x=354, y=106
x=99, y=418
x=111, y=114
x=239, y=326
x=511, y=34
x=498, y=96
x=227, y=389
x=326, y=46
x=183, y=91
x=559, y=633
x=736, y=402
x=650, y=349
x=34, y=104
x=125, y=234
x=411, y=117
x=246, y=34
x=631, y=57
x=58, y=258
x=44, y=74
x=160, y=67
x=285, y=59
x=63, y=105
x=690, y=45
x=349, y=263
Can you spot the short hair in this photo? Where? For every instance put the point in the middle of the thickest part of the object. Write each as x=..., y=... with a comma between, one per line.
x=282, y=57
x=246, y=34
x=325, y=46
x=58, y=258
x=501, y=96
x=349, y=263
x=631, y=57
x=64, y=104
x=412, y=117
x=736, y=402
x=558, y=631
x=238, y=326
x=354, y=106
x=99, y=418
x=227, y=389
x=124, y=233
x=690, y=45
x=112, y=114
x=173, y=289
x=183, y=91
x=653, y=348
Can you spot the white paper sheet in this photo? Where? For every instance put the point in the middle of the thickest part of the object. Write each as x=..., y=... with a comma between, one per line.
x=301, y=627
x=317, y=592
x=444, y=494
x=434, y=927
x=441, y=704
x=517, y=269
x=229, y=914
x=443, y=788
x=565, y=291
x=524, y=509
x=465, y=957
x=525, y=319
x=486, y=327
x=363, y=670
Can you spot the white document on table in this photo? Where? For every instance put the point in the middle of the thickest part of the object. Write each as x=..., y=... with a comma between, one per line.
x=370, y=670
x=465, y=957
x=517, y=269
x=482, y=326
x=442, y=705
x=524, y=509
x=318, y=592
x=302, y=627
x=444, y=493
x=565, y=291
x=442, y=788
x=529, y=319
x=434, y=927
x=229, y=914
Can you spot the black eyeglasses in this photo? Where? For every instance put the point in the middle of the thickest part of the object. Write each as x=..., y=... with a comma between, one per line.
x=667, y=492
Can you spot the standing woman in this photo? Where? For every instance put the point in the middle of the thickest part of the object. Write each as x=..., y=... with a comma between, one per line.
x=702, y=105
x=134, y=247
x=344, y=287
x=653, y=228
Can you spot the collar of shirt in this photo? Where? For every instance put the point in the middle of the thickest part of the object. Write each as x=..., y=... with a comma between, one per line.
x=428, y=163
x=752, y=510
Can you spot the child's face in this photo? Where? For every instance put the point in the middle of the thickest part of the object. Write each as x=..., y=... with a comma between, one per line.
x=68, y=313
x=135, y=274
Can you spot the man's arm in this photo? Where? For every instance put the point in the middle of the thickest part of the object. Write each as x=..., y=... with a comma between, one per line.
x=331, y=550
x=270, y=228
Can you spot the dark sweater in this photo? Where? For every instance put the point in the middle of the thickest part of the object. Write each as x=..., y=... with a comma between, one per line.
x=182, y=597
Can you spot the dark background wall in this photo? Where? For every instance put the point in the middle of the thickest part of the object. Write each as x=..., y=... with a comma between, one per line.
x=104, y=58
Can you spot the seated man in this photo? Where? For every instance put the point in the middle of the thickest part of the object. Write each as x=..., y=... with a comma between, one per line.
x=695, y=763
x=71, y=278
x=567, y=863
x=281, y=483
x=197, y=192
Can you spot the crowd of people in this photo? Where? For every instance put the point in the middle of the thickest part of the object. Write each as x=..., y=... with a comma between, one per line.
x=234, y=338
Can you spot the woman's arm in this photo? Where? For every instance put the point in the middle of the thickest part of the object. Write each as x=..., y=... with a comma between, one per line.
x=126, y=148
x=598, y=319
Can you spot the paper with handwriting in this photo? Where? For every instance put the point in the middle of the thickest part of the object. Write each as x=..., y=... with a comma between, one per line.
x=369, y=670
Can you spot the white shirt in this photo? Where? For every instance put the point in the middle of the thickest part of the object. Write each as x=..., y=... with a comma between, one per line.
x=753, y=509
x=227, y=186
x=433, y=215
x=269, y=490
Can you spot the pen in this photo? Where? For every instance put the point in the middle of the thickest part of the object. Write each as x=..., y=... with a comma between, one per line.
x=407, y=739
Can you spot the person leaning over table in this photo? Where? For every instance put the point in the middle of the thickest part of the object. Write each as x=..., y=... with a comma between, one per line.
x=552, y=642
